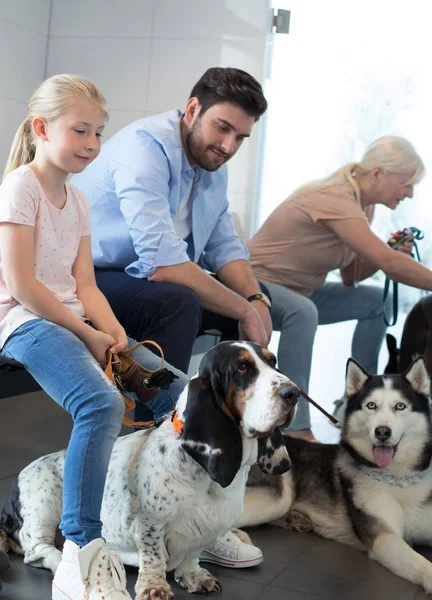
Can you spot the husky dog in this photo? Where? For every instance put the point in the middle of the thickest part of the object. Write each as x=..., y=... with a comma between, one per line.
x=373, y=490
x=416, y=341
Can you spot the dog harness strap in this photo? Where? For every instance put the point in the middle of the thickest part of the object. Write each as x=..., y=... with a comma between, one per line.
x=155, y=344
x=129, y=402
x=177, y=423
x=397, y=480
x=398, y=238
x=331, y=418
x=387, y=320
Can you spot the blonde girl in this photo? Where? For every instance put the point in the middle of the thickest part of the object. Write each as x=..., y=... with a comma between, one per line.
x=56, y=322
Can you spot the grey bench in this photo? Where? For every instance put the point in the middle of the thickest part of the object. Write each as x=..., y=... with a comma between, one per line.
x=15, y=380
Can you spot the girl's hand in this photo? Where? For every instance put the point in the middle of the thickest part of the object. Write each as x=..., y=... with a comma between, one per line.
x=98, y=343
x=121, y=340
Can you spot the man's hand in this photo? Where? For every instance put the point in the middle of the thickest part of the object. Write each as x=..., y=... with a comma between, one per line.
x=252, y=328
x=264, y=313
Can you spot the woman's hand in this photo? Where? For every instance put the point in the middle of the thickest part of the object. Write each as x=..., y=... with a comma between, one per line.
x=406, y=247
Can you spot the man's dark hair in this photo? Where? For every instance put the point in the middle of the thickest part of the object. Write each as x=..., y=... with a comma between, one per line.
x=219, y=85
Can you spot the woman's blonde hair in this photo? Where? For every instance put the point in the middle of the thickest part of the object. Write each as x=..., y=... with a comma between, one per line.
x=391, y=153
x=51, y=99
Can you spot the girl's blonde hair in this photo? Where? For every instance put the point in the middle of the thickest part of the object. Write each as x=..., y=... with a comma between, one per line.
x=52, y=98
x=391, y=153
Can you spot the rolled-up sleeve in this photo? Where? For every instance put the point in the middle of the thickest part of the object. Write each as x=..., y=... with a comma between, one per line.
x=141, y=176
x=224, y=245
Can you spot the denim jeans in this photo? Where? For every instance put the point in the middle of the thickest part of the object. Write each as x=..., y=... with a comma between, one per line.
x=297, y=318
x=65, y=369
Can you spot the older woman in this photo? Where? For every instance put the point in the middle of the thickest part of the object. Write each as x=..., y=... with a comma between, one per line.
x=325, y=225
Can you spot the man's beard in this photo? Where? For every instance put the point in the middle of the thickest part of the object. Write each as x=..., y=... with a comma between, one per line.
x=200, y=152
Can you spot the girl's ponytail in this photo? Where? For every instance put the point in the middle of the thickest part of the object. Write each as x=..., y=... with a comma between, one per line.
x=23, y=150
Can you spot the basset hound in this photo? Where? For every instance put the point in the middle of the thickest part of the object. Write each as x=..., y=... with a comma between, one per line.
x=174, y=490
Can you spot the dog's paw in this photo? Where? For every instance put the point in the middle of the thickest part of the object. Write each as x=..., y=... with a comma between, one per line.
x=198, y=582
x=242, y=536
x=296, y=521
x=154, y=589
x=427, y=580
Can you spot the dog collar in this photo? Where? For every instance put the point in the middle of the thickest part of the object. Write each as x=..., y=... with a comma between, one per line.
x=399, y=481
x=177, y=423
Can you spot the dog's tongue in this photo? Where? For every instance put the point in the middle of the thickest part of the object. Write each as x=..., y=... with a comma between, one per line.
x=383, y=455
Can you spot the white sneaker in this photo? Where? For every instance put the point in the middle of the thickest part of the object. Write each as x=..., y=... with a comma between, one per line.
x=90, y=573
x=230, y=551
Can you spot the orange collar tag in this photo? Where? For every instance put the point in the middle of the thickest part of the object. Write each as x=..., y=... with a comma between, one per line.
x=178, y=424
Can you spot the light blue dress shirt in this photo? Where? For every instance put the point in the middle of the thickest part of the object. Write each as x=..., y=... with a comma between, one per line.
x=135, y=187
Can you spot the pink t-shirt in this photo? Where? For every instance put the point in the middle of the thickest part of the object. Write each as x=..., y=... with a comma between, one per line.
x=57, y=235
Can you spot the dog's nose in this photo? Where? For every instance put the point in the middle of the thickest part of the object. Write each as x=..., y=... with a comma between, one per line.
x=383, y=433
x=290, y=393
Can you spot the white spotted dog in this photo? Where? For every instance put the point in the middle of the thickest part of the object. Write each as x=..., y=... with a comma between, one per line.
x=373, y=490
x=175, y=490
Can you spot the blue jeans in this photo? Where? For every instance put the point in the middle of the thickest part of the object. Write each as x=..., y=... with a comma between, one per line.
x=297, y=318
x=65, y=369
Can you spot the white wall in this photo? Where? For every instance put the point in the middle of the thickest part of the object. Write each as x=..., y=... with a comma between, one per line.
x=147, y=54
x=23, y=45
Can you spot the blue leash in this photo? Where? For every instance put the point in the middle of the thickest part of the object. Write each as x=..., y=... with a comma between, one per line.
x=409, y=233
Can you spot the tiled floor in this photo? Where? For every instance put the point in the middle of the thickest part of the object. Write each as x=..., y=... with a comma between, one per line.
x=296, y=566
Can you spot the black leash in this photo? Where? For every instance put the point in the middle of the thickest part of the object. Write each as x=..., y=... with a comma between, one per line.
x=409, y=233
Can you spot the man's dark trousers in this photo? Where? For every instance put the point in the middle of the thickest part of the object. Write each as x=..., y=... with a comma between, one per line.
x=167, y=313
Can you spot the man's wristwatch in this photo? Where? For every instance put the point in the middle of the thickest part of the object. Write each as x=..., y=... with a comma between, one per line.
x=260, y=296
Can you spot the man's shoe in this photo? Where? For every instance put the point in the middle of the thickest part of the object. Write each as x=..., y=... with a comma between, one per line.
x=91, y=573
x=230, y=551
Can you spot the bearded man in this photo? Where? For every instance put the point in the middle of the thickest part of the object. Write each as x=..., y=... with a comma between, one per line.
x=165, y=249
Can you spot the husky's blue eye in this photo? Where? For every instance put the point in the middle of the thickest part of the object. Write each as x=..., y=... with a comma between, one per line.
x=371, y=405
x=400, y=406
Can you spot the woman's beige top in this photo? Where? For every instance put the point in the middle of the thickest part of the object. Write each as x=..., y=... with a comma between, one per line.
x=295, y=248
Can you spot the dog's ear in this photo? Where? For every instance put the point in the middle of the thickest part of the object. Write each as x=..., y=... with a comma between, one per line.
x=355, y=377
x=392, y=366
x=418, y=377
x=391, y=343
x=210, y=435
x=273, y=457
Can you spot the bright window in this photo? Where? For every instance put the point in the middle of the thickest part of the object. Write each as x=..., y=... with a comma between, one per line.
x=346, y=74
